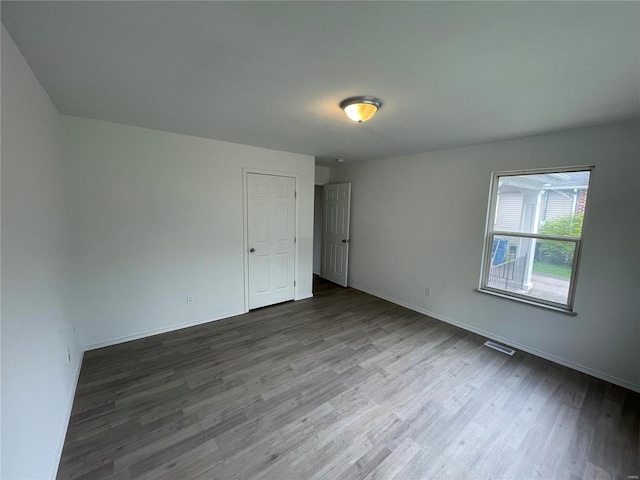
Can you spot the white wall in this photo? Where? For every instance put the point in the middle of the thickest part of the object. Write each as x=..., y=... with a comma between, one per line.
x=159, y=216
x=38, y=382
x=322, y=178
x=418, y=222
x=322, y=175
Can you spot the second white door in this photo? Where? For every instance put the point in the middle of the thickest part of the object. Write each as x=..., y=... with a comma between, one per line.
x=271, y=238
x=335, y=233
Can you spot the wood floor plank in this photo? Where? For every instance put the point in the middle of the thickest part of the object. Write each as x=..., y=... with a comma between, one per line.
x=341, y=386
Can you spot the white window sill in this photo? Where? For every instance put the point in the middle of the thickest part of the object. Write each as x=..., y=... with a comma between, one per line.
x=527, y=302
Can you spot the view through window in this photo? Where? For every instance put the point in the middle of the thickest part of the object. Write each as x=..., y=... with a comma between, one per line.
x=534, y=234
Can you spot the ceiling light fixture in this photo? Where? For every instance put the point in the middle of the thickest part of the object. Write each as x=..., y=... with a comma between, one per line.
x=360, y=109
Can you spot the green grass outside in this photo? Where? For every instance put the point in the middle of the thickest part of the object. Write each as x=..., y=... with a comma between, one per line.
x=552, y=269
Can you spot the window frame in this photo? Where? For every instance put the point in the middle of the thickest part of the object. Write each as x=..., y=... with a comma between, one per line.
x=490, y=234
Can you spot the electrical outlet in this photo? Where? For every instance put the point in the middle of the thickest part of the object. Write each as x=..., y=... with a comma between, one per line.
x=189, y=299
x=427, y=292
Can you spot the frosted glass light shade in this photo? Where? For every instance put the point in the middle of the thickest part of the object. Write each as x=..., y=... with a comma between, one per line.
x=360, y=112
x=360, y=109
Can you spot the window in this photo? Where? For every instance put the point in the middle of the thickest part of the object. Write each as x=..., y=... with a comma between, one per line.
x=534, y=232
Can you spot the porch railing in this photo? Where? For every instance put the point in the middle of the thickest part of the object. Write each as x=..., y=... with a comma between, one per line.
x=508, y=275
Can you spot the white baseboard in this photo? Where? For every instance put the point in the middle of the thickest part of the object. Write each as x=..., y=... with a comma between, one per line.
x=303, y=297
x=68, y=414
x=158, y=331
x=511, y=343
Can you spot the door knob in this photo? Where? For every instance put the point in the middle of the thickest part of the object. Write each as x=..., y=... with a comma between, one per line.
x=252, y=249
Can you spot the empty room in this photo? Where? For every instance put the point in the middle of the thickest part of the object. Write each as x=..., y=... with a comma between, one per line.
x=320, y=240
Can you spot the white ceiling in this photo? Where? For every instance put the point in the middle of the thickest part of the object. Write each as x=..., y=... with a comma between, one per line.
x=271, y=74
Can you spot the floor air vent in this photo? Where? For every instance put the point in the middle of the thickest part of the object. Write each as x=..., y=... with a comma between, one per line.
x=500, y=348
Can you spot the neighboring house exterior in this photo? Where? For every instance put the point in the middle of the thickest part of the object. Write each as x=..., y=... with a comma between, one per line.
x=564, y=197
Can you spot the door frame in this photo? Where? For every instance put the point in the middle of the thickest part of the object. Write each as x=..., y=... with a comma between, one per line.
x=245, y=225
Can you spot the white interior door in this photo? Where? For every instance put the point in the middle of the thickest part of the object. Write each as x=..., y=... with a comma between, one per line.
x=335, y=233
x=271, y=238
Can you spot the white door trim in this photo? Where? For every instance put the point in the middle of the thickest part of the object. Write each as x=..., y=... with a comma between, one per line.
x=245, y=222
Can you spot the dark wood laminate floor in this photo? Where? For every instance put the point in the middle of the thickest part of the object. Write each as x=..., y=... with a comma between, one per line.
x=341, y=386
